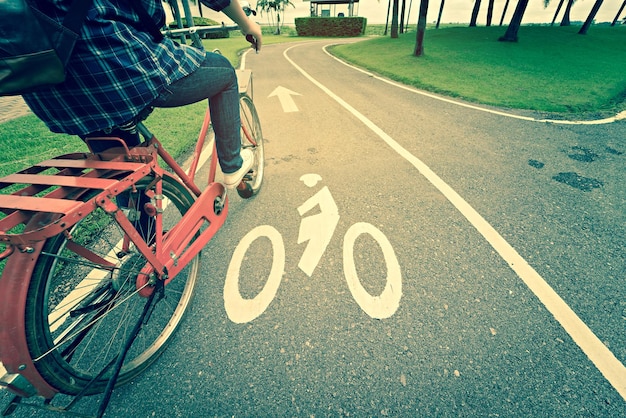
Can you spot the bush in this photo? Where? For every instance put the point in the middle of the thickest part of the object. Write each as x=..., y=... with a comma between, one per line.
x=203, y=21
x=330, y=26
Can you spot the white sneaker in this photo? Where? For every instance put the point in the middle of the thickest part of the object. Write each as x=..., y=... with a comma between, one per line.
x=232, y=180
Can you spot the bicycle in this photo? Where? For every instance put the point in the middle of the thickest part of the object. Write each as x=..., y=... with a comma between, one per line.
x=102, y=253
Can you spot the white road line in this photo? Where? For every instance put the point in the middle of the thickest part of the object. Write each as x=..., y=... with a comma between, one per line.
x=242, y=64
x=605, y=361
x=619, y=116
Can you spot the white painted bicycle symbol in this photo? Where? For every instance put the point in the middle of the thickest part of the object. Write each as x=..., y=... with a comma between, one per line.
x=318, y=230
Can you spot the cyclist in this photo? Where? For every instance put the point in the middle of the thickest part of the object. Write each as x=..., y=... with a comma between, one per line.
x=121, y=67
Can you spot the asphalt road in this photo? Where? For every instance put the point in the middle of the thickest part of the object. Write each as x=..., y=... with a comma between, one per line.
x=439, y=260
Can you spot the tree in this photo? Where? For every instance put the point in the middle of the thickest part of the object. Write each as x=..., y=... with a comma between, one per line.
x=387, y=20
x=594, y=10
x=408, y=15
x=516, y=21
x=558, y=9
x=619, y=12
x=274, y=8
x=490, y=12
x=475, y=11
x=402, y=12
x=394, y=19
x=565, y=21
x=421, y=29
x=506, y=6
x=441, y=12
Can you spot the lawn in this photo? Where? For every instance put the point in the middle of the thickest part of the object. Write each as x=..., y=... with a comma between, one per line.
x=550, y=69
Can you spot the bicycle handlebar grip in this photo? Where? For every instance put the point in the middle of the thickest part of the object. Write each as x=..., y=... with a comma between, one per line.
x=253, y=42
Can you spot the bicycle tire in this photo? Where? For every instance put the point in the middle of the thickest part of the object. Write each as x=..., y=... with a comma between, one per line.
x=73, y=340
x=252, y=127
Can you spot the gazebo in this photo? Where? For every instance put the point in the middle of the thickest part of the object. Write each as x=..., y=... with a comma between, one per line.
x=328, y=8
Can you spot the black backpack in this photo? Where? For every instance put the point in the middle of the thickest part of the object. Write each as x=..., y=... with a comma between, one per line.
x=34, y=48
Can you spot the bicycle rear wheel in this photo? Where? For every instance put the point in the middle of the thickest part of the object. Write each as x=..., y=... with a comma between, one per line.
x=83, y=302
x=251, y=138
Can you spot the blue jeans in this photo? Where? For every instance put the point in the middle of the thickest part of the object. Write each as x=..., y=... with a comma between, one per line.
x=214, y=80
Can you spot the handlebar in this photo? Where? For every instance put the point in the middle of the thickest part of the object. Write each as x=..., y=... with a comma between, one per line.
x=195, y=32
x=198, y=30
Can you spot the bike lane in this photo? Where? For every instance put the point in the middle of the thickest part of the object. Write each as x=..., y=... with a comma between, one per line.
x=467, y=337
x=469, y=130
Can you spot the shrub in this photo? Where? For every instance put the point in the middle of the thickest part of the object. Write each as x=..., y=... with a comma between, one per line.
x=330, y=26
x=203, y=21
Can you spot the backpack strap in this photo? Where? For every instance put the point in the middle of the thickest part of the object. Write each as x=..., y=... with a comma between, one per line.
x=73, y=22
x=147, y=21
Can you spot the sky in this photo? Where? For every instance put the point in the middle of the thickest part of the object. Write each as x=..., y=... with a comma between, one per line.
x=459, y=11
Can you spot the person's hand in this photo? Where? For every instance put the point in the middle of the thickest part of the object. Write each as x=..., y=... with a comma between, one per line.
x=253, y=35
x=247, y=26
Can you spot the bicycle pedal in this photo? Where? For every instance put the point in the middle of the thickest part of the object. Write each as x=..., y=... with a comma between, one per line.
x=246, y=191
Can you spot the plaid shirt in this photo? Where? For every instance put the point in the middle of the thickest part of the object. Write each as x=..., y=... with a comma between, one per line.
x=116, y=68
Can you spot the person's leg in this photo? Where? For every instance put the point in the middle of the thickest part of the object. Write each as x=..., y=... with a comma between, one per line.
x=214, y=80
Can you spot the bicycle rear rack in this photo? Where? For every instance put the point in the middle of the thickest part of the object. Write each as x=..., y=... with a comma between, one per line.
x=50, y=192
x=45, y=200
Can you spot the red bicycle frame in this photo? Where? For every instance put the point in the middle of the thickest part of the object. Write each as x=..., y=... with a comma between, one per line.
x=43, y=217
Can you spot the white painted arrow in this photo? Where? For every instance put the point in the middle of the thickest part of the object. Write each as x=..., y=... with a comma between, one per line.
x=286, y=101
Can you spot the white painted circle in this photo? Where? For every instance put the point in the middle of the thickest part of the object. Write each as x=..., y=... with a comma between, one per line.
x=387, y=303
x=238, y=309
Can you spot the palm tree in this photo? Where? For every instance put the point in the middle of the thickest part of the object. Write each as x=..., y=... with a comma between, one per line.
x=402, y=11
x=475, y=11
x=506, y=6
x=619, y=12
x=516, y=20
x=490, y=12
x=394, y=19
x=421, y=29
x=594, y=10
x=565, y=21
x=558, y=9
x=441, y=12
x=274, y=8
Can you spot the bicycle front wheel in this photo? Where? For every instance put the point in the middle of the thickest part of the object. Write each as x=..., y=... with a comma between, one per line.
x=83, y=301
x=251, y=138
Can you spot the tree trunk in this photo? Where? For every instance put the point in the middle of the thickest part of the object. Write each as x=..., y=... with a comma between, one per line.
x=594, y=10
x=475, y=11
x=441, y=12
x=506, y=6
x=568, y=9
x=558, y=9
x=402, y=11
x=619, y=12
x=516, y=21
x=490, y=12
x=394, y=19
x=421, y=29
x=387, y=20
x=408, y=16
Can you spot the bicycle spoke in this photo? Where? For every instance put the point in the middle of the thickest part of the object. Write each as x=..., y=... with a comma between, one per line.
x=84, y=302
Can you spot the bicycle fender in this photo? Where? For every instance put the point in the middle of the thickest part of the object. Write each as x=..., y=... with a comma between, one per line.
x=20, y=374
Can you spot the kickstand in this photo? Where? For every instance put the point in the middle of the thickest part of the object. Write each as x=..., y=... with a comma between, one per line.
x=106, y=397
x=117, y=362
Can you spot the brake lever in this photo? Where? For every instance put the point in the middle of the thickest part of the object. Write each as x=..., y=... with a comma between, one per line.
x=253, y=42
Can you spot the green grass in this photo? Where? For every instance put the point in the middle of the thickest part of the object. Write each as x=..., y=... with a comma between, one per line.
x=550, y=69
x=26, y=140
